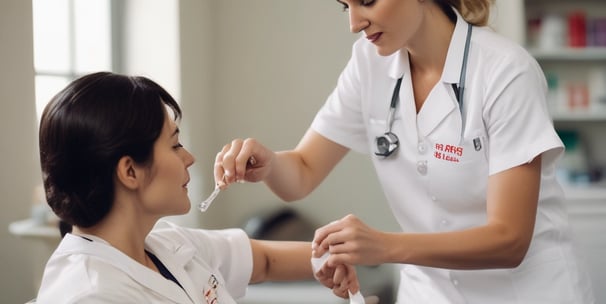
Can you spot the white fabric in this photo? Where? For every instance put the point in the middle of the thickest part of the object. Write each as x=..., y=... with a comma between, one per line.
x=80, y=271
x=437, y=180
x=316, y=265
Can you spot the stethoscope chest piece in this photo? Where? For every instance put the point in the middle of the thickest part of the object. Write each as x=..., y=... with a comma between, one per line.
x=387, y=144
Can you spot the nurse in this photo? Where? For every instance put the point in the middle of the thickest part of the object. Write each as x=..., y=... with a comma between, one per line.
x=454, y=118
x=113, y=166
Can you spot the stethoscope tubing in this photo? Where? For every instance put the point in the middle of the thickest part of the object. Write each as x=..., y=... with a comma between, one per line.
x=459, y=90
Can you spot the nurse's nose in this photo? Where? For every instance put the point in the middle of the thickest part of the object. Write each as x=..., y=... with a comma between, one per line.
x=357, y=21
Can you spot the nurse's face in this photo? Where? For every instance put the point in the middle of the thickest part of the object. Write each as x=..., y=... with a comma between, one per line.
x=165, y=190
x=388, y=24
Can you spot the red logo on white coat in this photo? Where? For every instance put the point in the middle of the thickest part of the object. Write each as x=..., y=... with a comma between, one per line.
x=449, y=153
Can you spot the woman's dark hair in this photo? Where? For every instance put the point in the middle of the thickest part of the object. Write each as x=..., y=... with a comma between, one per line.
x=85, y=130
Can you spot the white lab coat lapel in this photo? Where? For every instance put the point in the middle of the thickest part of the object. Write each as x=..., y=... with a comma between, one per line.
x=176, y=260
x=439, y=104
x=143, y=275
x=406, y=109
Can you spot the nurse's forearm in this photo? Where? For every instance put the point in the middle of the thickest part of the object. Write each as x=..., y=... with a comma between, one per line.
x=491, y=246
x=281, y=261
x=294, y=174
x=289, y=177
x=512, y=198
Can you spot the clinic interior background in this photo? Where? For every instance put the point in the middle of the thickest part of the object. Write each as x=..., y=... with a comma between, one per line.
x=239, y=68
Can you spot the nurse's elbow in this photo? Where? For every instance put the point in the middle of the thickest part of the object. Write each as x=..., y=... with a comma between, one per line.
x=514, y=260
x=289, y=198
x=515, y=249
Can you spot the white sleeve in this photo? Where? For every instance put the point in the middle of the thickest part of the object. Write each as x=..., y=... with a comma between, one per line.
x=227, y=250
x=341, y=119
x=516, y=115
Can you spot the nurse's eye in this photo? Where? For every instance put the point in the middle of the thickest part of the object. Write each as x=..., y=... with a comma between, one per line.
x=345, y=6
x=178, y=146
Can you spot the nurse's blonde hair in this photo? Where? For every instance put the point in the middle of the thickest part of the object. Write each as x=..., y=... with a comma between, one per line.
x=475, y=12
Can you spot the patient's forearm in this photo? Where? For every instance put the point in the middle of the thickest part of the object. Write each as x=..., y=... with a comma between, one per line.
x=281, y=261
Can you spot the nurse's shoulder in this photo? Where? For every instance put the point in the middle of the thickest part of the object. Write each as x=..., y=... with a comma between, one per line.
x=492, y=47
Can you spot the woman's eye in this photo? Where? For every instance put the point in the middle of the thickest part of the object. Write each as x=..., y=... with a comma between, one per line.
x=177, y=146
x=368, y=2
x=345, y=7
x=362, y=3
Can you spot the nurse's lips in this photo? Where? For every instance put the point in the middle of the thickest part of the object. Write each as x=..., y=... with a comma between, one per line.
x=374, y=37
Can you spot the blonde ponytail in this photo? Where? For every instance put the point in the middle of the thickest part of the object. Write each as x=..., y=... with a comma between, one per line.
x=475, y=12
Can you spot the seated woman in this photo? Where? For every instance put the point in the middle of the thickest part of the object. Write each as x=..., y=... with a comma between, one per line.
x=113, y=166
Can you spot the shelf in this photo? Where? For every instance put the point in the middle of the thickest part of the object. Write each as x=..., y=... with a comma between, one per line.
x=581, y=116
x=570, y=54
x=30, y=229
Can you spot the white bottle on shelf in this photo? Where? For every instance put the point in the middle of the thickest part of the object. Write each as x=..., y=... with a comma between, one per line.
x=597, y=89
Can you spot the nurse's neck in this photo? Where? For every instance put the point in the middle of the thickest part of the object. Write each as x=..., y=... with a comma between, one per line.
x=428, y=48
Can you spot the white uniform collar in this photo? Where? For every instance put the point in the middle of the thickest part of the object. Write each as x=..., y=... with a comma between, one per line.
x=454, y=57
x=456, y=50
x=73, y=244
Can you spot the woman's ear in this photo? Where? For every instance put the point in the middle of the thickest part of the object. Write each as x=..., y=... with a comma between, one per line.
x=127, y=173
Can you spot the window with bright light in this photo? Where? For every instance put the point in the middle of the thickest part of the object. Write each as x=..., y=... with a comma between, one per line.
x=71, y=38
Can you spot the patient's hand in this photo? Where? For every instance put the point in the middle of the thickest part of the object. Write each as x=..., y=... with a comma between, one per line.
x=340, y=279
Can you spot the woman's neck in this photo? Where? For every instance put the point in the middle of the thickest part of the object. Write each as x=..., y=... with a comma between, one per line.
x=428, y=49
x=124, y=230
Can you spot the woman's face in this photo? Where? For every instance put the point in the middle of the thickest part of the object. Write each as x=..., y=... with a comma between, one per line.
x=389, y=24
x=165, y=190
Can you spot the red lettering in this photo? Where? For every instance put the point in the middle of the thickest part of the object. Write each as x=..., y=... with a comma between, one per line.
x=459, y=151
x=450, y=153
x=451, y=158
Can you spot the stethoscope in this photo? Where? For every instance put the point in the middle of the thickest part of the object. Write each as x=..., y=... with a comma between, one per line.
x=389, y=142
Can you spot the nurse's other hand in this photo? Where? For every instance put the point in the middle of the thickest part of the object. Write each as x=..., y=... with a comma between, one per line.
x=340, y=279
x=351, y=242
x=242, y=160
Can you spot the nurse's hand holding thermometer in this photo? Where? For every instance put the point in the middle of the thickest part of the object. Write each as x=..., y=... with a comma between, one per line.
x=242, y=160
x=203, y=206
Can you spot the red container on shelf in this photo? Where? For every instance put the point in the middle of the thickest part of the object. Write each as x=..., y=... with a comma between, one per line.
x=577, y=29
x=578, y=96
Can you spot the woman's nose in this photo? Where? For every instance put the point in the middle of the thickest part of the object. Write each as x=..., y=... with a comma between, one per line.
x=357, y=22
x=188, y=159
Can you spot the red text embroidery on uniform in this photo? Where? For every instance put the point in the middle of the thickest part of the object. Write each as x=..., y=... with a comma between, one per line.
x=448, y=152
x=210, y=294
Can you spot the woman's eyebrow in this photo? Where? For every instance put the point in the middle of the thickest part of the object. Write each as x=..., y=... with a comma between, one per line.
x=176, y=132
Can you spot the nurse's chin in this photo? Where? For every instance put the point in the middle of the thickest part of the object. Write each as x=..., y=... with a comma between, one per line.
x=385, y=52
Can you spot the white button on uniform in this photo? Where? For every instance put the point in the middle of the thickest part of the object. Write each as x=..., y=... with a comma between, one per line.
x=422, y=147
x=444, y=222
x=422, y=167
x=455, y=282
x=433, y=198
